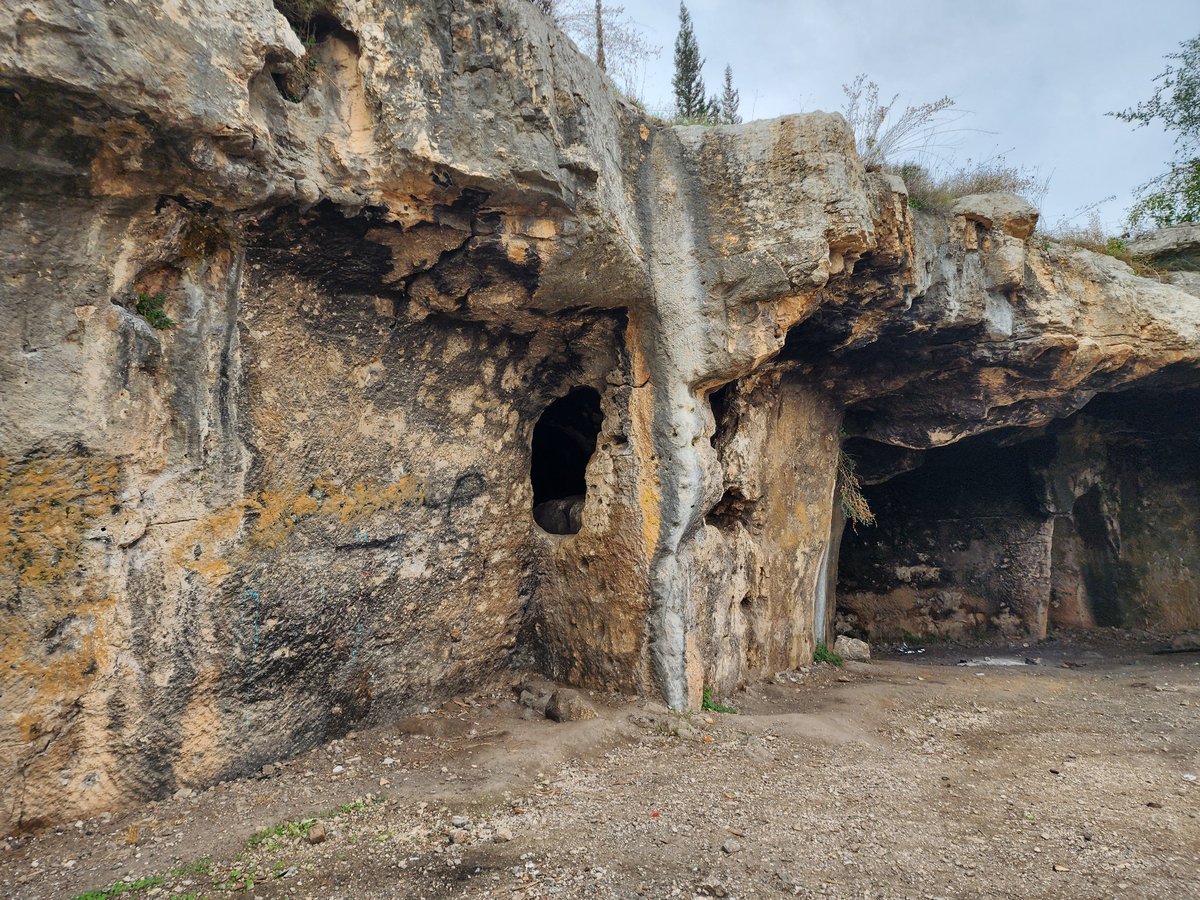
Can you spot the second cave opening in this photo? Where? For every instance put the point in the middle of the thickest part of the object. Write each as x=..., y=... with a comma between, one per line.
x=564, y=440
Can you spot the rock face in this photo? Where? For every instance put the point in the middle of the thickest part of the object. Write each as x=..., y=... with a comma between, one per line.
x=471, y=367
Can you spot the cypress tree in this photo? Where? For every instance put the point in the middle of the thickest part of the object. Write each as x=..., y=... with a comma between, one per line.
x=730, y=98
x=600, y=60
x=690, y=102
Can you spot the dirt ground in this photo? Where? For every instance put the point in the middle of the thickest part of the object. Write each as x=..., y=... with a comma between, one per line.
x=909, y=776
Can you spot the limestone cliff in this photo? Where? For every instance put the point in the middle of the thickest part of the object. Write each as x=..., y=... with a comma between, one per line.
x=468, y=366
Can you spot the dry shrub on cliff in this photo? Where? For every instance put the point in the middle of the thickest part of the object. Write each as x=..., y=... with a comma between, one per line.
x=882, y=133
x=854, y=504
x=1092, y=235
x=931, y=189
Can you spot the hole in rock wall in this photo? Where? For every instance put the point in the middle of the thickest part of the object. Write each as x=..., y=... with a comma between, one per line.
x=564, y=440
x=313, y=24
x=718, y=402
x=732, y=507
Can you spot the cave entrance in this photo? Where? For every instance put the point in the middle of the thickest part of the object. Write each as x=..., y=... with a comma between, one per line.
x=958, y=550
x=564, y=440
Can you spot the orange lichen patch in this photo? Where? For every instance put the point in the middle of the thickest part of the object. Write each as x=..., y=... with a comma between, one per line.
x=515, y=249
x=45, y=505
x=279, y=511
x=276, y=516
x=56, y=672
x=29, y=726
x=694, y=671
x=358, y=500
x=641, y=413
x=729, y=242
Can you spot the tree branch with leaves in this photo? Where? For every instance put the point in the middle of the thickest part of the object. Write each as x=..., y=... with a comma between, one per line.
x=1174, y=196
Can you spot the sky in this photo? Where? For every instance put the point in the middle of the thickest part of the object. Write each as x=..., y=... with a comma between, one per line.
x=1034, y=77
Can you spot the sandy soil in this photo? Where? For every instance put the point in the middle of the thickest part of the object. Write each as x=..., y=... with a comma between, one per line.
x=909, y=776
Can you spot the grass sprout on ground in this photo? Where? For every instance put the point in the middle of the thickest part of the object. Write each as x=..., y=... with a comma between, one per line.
x=268, y=838
x=710, y=705
x=824, y=655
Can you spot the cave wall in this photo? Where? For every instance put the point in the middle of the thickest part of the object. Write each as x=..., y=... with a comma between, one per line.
x=1123, y=484
x=305, y=502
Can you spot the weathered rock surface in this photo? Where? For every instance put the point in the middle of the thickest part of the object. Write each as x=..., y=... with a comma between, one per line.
x=1173, y=247
x=426, y=274
x=567, y=706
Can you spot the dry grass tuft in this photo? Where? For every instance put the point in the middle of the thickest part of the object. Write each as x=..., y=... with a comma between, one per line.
x=1092, y=235
x=939, y=190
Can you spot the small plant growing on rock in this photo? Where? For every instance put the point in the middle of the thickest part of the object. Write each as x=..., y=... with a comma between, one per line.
x=824, y=655
x=1094, y=236
x=269, y=837
x=708, y=704
x=117, y=888
x=150, y=308
x=298, y=12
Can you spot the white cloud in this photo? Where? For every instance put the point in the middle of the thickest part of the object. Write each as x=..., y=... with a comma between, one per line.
x=1036, y=76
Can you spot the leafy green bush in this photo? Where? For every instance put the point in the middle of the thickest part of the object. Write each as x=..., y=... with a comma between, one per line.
x=824, y=655
x=150, y=308
x=1171, y=199
x=708, y=703
x=1174, y=196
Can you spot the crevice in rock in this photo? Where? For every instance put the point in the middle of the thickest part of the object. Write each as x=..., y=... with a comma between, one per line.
x=718, y=402
x=731, y=509
x=1098, y=567
x=314, y=24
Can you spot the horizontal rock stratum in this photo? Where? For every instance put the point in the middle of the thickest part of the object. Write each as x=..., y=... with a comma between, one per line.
x=464, y=365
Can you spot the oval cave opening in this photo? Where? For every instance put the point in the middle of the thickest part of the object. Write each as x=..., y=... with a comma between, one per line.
x=564, y=440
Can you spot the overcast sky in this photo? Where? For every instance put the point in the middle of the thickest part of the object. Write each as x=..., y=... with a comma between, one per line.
x=1035, y=76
